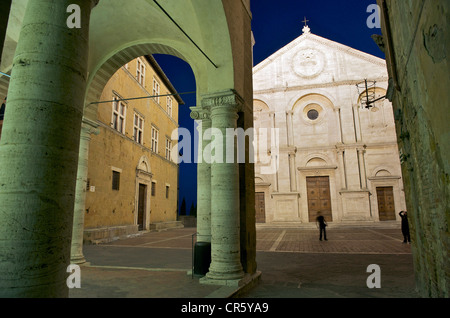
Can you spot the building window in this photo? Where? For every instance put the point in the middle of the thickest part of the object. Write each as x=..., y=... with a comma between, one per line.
x=140, y=72
x=168, y=148
x=138, y=132
x=155, y=134
x=153, y=189
x=155, y=91
x=169, y=106
x=167, y=191
x=118, y=115
x=115, y=180
x=313, y=114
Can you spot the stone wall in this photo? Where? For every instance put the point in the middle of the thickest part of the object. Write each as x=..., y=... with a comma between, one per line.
x=418, y=42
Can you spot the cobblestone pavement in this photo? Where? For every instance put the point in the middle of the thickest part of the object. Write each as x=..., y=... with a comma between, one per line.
x=293, y=262
x=341, y=240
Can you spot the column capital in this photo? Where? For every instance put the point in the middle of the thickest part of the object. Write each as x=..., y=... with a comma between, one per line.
x=361, y=148
x=89, y=126
x=291, y=150
x=228, y=98
x=200, y=112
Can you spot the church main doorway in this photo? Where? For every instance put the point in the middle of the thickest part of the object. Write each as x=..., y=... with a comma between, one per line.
x=319, y=198
x=386, y=207
x=260, y=207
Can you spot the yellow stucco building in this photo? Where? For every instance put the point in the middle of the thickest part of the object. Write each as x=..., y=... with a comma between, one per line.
x=132, y=180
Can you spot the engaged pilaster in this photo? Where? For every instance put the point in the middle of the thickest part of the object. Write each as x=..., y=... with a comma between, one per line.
x=87, y=129
x=202, y=117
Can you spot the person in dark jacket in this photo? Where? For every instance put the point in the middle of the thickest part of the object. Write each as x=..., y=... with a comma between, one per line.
x=2, y=114
x=322, y=226
x=405, y=227
x=2, y=109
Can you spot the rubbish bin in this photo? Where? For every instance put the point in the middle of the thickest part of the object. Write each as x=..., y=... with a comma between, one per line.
x=202, y=258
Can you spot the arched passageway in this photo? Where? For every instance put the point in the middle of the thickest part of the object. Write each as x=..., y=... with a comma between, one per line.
x=57, y=73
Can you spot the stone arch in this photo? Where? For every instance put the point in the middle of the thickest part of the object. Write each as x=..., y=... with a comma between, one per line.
x=382, y=171
x=84, y=59
x=260, y=110
x=315, y=159
x=223, y=81
x=114, y=43
x=319, y=103
x=316, y=162
x=317, y=96
x=261, y=179
x=374, y=92
x=144, y=164
x=259, y=104
x=101, y=76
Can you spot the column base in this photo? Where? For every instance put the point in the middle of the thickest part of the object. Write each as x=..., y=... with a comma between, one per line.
x=225, y=272
x=244, y=280
x=78, y=260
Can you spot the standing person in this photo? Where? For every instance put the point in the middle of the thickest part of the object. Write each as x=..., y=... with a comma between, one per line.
x=322, y=225
x=2, y=114
x=405, y=226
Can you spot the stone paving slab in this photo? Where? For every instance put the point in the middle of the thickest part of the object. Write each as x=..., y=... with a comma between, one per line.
x=356, y=241
x=293, y=262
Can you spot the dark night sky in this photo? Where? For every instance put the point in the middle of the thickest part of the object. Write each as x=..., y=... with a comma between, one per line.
x=275, y=24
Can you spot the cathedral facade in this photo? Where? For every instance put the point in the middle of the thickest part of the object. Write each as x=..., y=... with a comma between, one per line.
x=333, y=152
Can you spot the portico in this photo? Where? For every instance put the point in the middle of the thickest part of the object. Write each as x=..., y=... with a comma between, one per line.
x=58, y=73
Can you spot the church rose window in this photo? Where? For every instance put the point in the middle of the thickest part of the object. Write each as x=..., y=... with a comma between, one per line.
x=313, y=114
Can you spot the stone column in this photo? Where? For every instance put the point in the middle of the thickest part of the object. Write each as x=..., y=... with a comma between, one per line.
x=292, y=170
x=226, y=265
x=358, y=135
x=290, y=128
x=274, y=152
x=362, y=168
x=202, y=117
x=39, y=150
x=337, y=110
x=341, y=161
x=202, y=248
x=88, y=127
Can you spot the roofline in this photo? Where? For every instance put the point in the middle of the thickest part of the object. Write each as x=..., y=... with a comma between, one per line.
x=324, y=41
x=150, y=59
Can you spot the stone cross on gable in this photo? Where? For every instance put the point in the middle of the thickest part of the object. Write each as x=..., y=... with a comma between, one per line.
x=305, y=21
x=306, y=29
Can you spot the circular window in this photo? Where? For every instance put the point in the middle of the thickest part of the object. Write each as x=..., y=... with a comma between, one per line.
x=313, y=114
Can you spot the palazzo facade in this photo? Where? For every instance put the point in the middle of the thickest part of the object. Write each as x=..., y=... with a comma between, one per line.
x=332, y=153
x=132, y=181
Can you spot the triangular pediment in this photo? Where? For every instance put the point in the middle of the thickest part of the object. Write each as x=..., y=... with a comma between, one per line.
x=311, y=59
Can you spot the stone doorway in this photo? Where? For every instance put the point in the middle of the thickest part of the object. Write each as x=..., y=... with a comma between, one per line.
x=386, y=207
x=260, y=207
x=319, y=198
x=141, y=205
